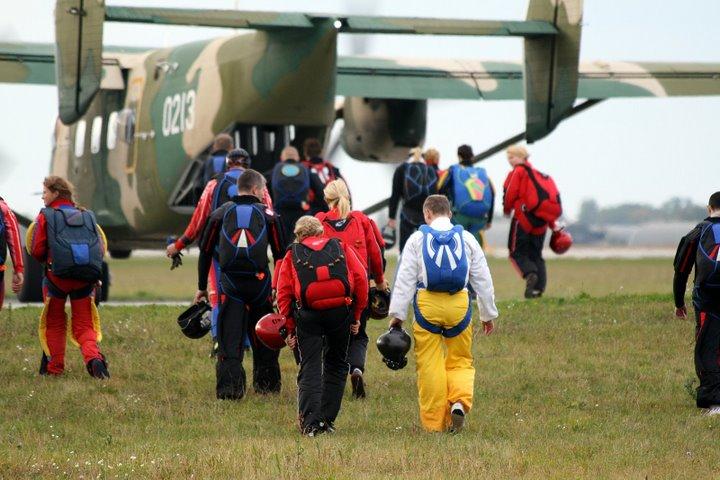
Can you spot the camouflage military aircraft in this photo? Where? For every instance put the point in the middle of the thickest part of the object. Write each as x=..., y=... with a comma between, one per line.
x=134, y=124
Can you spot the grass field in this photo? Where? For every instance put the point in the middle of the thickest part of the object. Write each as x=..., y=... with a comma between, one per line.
x=566, y=388
x=151, y=278
x=575, y=386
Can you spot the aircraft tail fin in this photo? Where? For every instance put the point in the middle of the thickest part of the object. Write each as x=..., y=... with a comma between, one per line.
x=551, y=65
x=78, y=55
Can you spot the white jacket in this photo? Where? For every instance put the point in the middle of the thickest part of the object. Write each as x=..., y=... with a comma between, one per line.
x=411, y=271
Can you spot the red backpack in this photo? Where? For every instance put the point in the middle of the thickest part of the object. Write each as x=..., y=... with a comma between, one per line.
x=348, y=230
x=323, y=275
x=324, y=170
x=543, y=200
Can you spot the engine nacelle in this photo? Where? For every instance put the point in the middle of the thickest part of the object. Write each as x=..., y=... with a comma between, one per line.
x=382, y=130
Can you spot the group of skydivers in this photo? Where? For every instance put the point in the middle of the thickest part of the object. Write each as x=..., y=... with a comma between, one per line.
x=328, y=276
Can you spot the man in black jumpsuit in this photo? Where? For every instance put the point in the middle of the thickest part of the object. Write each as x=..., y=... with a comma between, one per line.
x=237, y=235
x=700, y=248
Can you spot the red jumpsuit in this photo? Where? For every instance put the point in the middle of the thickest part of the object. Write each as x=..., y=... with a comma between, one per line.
x=197, y=222
x=12, y=239
x=85, y=321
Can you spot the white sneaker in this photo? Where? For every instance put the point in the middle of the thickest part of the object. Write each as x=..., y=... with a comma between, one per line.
x=713, y=410
x=457, y=417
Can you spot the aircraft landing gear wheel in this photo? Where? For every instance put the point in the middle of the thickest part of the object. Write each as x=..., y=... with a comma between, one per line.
x=120, y=254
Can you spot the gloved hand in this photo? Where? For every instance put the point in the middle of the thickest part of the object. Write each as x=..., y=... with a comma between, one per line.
x=176, y=260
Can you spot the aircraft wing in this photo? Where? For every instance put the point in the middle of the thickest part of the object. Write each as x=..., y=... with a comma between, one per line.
x=27, y=63
x=494, y=80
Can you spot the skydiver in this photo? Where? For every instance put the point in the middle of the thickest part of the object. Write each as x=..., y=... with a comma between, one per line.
x=439, y=264
x=699, y=248
x=71, y=245
x=217, y=191
x=356, y=230
x=322, y=291
x=325, y=171
x=533, y=200
x=470, y=192
x=10, y=240
x=215, y=164
x=413, y=181
x=235, y=240
x=292, y=185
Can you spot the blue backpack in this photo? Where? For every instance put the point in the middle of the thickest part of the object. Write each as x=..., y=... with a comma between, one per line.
x=445, y=260
x=214, y=166
x=226, y=187
x=74, y=243
x=290, y=184
x=472, y=195
x=707, y=261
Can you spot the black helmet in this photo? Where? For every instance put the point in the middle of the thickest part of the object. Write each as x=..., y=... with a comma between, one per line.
x=238, y=155
x=379, y=301
x=194, y=322
x=388, y=235
x=394, y=345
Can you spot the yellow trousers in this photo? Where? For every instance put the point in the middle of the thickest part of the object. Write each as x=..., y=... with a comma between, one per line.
x=445, y=371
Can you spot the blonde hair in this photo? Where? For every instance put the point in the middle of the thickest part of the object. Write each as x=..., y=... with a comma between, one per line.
x=338, y=196
x=518, y=151
x=307, y=226
x=59, y=185
x=416, y=155
x=432, y=156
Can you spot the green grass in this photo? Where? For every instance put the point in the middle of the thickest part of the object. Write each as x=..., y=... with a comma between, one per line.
x=567, y=387
x=151, y=278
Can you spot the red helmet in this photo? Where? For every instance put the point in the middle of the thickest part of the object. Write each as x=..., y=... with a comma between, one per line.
x=272, y=330
x=560, y=241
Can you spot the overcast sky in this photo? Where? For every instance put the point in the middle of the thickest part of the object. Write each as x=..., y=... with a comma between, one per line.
x=642, y=150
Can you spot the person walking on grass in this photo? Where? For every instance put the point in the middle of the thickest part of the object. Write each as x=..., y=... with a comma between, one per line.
x=10, y=240
x=322, y=291
x=69, y=242
x=700, y=249
x=235, y=240
x=438, y=265
x=534, y=202
x=355, y=229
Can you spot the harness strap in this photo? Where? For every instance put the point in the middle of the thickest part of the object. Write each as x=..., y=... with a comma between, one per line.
x=445, y=332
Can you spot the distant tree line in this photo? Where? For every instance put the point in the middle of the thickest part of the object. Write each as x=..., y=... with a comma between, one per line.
x=675, y=209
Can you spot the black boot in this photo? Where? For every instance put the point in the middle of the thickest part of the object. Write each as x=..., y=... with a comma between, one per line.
x=230, y=379
x=97, y=368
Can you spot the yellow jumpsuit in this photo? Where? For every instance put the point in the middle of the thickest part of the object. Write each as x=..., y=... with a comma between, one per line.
x=445, y=372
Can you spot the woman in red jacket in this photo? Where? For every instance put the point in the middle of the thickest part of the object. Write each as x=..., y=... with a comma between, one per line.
x=322, y=291
x=527, y=232
x=353, y=228
x=68, y=273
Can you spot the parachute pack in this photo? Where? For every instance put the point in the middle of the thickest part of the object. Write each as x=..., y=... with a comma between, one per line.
x=242, y=249
x=420, y=181
x=707, y=263
x=349, y=230
x=472, y=194
x=323, y=275
x=445, y=260
x=324, y=170
x=74, y=243
x=290, y=184
x=226, y=187
x=543, y=200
